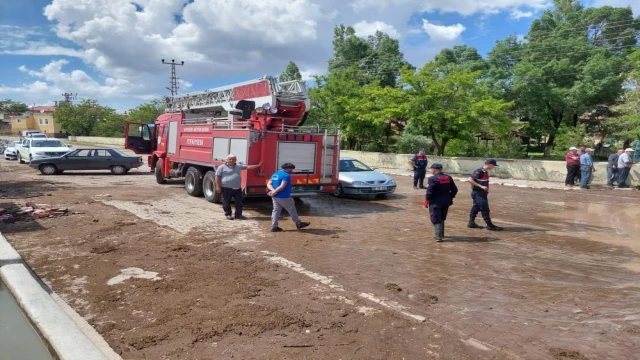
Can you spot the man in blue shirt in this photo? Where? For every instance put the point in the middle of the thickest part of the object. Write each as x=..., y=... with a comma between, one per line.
x=586, y=168
x=280, y=191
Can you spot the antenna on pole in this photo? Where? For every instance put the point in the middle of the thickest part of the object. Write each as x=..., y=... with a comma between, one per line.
x=69, y=97
x=174, y=78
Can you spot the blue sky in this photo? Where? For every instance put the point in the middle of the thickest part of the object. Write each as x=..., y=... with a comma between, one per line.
x=111, y=51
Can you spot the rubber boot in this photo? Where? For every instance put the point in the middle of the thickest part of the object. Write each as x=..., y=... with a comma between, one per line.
x=472, y=224
x=492, y=227
x=438, y=232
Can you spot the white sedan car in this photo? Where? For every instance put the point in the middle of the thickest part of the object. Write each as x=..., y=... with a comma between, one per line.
x=11, y=151
x=356, y=178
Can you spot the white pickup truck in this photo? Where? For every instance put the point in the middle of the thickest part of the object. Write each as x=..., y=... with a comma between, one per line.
x=33, y=149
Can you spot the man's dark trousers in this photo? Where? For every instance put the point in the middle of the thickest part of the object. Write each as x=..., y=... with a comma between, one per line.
x=227, y=195
x=480, y=205
x=418, y=177
x=573, y=172
x=623, y=174
x=438, y=213
x=612, y=176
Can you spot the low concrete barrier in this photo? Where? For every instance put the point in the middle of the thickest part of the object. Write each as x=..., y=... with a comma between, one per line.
x=61, y=333
x=97, y=140
x=508, y=168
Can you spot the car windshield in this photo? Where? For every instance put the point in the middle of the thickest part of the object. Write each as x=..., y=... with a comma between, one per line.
x=353, y=165
x=47, y=143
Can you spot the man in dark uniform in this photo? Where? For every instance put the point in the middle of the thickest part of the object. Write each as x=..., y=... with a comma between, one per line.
x=441, y=190
x=419, y=163
x=479, y=181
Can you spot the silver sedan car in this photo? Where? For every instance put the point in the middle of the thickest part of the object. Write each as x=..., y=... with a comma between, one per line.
x=356, y=178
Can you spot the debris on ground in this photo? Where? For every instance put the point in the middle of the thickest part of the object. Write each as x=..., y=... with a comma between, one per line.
x=392, y=287
x=424, y=298
x=32, y=211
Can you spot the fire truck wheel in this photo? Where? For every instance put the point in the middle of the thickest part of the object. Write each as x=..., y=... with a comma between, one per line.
x=338, y=192
x=209, y=187
x=192, y=182
x=159, y=177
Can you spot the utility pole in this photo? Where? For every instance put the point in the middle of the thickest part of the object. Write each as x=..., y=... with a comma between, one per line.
x=68, y=97
x=174, y=78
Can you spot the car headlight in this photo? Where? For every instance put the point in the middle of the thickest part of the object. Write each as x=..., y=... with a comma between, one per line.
x=391, y=182
x=358, y=183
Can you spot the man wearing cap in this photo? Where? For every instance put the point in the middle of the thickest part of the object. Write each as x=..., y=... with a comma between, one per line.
x=624, y=167
x=441, y=190
x=280, y=191
x=419, y=163
x=573, y=166
x=586, y=168
x=479, y=181
x=612, y=167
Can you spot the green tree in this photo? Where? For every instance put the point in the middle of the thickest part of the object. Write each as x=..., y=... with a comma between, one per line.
x=450, y=103
x=81, y=119
x=625, y=125
x=146, y=113
x=291, y=72
x=112, y=125
x=570, y=65
x=378, y=56
x=11, y=107
x=462, y=56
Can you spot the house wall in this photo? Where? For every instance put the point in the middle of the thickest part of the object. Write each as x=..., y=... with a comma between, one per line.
x=20, y=123
x=45, y=123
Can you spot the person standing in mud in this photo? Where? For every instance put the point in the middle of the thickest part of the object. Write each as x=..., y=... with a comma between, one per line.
x=441, y=190
x=612, y=167
x=573, y=166
x=280, y=191
x=586, y=168
x=419, y=163
x=479, y=181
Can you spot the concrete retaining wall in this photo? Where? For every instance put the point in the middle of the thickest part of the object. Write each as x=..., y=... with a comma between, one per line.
x=509, y=168
x=94, y=140
x=61, y=333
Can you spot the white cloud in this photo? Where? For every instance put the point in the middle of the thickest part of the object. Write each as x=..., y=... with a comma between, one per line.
x=123, y=45
x=519, y=14
x=442, y=33
x=365, y=28
x=53, y=81
x=463, y=7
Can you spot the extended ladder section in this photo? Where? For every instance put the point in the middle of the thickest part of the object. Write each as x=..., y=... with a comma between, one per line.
x=264, y=90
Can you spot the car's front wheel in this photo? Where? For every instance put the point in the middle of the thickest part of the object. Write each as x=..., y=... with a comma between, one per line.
x=20, y=159
x=48, y=169
x=339, y=191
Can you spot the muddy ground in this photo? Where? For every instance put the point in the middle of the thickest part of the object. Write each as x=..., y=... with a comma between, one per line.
x=164, y=276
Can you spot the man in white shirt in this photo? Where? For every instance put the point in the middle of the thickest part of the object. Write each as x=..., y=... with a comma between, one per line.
x=624, y=167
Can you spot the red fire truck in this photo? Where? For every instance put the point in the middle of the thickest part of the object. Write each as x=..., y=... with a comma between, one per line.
x=258, y=120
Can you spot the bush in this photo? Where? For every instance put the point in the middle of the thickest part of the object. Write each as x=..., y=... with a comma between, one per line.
x=410, y=143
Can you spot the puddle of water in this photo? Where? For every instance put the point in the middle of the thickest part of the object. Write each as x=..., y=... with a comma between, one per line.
x=18, y=339
x=618, y=224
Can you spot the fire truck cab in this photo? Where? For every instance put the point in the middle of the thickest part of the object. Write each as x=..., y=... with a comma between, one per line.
x=257, y=121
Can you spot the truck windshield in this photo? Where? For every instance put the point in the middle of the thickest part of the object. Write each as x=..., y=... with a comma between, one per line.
x=47, y=143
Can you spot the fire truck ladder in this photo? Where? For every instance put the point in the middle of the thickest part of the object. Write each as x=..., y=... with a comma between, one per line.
x=288, y=93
